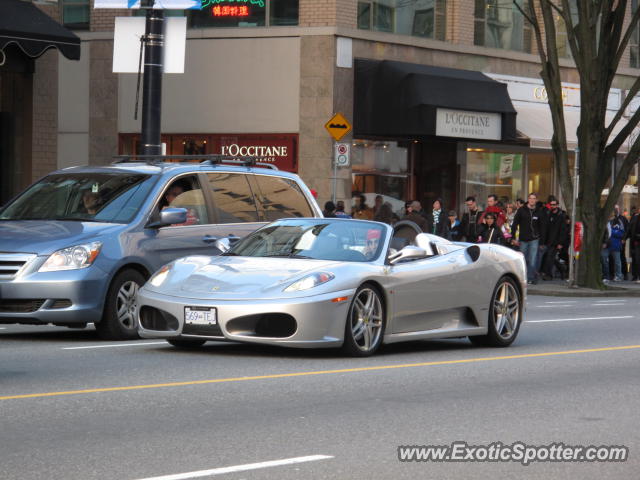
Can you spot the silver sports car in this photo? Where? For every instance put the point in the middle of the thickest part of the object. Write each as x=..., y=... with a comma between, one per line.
x=337, y=282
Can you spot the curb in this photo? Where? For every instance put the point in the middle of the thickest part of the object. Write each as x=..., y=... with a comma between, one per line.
x=563, y=291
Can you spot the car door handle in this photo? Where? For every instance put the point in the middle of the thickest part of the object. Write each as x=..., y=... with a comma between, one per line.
x=210, y=239
x=453, y=260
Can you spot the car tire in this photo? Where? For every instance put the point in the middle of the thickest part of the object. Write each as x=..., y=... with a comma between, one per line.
x=365, y=322
x=118, y=319
x=185, y=344
x=505, y=315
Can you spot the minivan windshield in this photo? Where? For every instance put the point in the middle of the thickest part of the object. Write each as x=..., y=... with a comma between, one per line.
x=85, y=197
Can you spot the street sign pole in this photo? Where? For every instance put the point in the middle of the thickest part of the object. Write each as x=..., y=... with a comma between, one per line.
x=572, y=252
x=335, y=176
x=152, y=83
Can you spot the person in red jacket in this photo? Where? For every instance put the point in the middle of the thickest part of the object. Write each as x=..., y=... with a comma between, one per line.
x=493, y=207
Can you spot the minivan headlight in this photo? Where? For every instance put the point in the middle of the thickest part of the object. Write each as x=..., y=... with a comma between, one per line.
x=310, y=281
x=72, y=258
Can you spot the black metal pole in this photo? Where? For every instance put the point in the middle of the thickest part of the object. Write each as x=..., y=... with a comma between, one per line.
x=152, y=83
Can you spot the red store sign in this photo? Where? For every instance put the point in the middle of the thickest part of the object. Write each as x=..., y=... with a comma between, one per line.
x=279, y=149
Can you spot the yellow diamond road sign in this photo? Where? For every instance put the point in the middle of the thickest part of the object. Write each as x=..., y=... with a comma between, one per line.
x=338, y=126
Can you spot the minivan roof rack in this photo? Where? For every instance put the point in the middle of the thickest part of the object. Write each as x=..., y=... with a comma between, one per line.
x=212, y=159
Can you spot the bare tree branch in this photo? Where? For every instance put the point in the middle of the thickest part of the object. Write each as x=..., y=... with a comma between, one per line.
x=635, y=88
x=621, y=176
x=627, y=35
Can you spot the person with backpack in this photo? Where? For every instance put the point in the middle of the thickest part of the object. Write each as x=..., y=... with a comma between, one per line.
x=491, y=231
x=611, y=246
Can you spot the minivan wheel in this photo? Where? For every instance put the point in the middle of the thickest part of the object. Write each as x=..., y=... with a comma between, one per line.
x=119, y=317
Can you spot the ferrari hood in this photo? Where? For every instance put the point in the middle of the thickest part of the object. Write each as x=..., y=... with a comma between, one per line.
x=227, y=277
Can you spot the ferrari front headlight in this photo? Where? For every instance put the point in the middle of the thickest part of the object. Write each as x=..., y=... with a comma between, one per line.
x=72, y=258
x=310, y=281
x=160, y=276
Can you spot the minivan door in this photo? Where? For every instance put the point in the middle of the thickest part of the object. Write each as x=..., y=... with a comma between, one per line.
x=194, y=237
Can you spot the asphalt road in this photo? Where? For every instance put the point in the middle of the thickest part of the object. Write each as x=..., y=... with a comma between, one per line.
x=228, y=405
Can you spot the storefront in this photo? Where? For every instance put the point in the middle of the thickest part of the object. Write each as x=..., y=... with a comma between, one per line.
x=26, y=108
x=412, y=121
x=277, y=149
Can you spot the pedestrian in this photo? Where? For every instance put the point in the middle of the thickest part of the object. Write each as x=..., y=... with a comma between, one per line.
x=491, y=232
x=529, y=221
x=414, y=216
x=436, y=222
x=377, y=204
x=634, y=244
x=556, y=233
x=494, y=207
x=455, y=227
x=361, y=210
x=340, y=213
x=611, y=246
x=329, y=210
x=622, y=219
x=471, y=220
x=385, y=214
x=510, y=213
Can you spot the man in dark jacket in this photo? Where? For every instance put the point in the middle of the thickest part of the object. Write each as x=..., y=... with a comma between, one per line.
x=531, y=222
x=556, y=235
x=620, y=218
x=470, y=226
x=634, y=244
x=414, y=216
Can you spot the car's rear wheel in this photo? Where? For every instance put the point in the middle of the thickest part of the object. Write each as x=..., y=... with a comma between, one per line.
x=185, y=344
x=505, y=315
x=118, y=320
x=365, y=323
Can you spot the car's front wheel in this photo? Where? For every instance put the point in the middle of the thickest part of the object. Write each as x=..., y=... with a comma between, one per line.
x=118, y=319
x=505, y=315
x=365, y=323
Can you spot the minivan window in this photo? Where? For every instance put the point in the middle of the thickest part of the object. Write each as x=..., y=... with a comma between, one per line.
x=87, y=197
x=233, y=198
x=185, y=192
x=281, y=198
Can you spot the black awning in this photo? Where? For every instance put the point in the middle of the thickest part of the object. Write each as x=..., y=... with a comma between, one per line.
x=401, y=99
x=26, y=26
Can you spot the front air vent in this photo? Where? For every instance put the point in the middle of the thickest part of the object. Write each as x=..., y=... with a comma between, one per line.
x=12, y=263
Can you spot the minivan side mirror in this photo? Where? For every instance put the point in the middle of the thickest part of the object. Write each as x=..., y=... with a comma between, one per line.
x=170, y=216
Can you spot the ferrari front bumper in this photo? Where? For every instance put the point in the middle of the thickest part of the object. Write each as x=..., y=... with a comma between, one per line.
x=319, y=320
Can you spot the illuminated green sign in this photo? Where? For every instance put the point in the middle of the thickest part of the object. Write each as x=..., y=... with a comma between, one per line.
x=207, y=3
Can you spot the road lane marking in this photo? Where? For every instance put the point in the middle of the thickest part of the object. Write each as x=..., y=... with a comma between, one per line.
x=577, y=319
x=605, y=304
x=565, y=301
x=241, y=468
x=115, y=345
x=553, y=306
x=317, y=372
x=610, y=301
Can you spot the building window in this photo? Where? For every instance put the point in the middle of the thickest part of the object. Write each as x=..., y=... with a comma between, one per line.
x=499, y=24
x=244, y=13
x=562, y=38
x=420, y=18
x=634, y=41
x=75, y=14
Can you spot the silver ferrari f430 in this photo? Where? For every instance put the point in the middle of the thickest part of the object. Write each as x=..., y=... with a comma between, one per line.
x=333, y=282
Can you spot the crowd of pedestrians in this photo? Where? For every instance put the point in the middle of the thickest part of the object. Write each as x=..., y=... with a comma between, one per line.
x=540, y=231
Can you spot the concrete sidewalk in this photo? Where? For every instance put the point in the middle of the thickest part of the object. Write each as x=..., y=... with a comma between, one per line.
x=560, y=288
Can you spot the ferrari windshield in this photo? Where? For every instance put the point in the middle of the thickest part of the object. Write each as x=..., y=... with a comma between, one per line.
x=341, y=240
x=85, y=197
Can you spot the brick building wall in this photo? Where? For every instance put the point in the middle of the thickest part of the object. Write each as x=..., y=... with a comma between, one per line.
x=44, y=131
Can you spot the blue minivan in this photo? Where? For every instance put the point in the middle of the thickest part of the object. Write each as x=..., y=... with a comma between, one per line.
x=76, y=246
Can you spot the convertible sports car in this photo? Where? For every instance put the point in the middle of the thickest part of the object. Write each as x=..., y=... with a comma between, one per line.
x=336, y=282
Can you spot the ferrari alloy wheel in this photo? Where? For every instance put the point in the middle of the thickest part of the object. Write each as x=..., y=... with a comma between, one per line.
x=119, y=320
x=365, y=322
x=504, y=315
